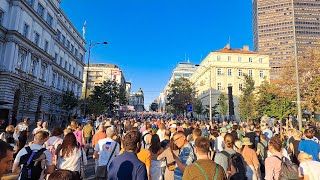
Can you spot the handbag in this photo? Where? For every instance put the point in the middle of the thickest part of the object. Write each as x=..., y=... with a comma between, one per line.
x=102, y=170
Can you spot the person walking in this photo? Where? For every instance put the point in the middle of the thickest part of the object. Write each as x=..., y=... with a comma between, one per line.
x=251, y=160
x=307, y=167
x=88, y=132
x=309, y=146
x=127, y=165
x=272, y=163
x=155, y=149
x=105, y=151
x=6, y=157
x=71, y=155
x=204, y=167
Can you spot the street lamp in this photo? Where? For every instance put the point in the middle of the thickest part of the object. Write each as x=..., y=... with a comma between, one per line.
x=91, y=45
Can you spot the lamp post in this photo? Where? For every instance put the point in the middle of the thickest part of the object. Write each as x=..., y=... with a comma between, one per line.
x=91, y=45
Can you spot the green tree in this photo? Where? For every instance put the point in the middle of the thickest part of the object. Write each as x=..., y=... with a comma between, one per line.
x=109, y=95
x=69, y=102
x=154, y=106
x=198, y=107
x=181, y=94
x=214, y=110
x=223, y=105
x=247, y=99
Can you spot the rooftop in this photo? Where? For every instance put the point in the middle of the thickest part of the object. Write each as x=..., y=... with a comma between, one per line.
x=244, y=50
x=104, y=65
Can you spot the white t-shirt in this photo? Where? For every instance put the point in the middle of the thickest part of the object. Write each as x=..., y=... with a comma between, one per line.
x=54, y=140
x=46, y=162
x=161, y=134
x=219, y=144
x=104, y=148
x=309, y=168
x=73, y=161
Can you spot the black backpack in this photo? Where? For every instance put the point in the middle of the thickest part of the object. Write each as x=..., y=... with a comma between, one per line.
x=31, y=162
x=235, y=162
x=144, y=142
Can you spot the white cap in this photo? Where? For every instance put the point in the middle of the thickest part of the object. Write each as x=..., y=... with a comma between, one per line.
x=173, y=126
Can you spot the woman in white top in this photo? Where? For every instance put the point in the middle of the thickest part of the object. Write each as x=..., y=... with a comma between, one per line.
x=71, y=156
x=308, y=169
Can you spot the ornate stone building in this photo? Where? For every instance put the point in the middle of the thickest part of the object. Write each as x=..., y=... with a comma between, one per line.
x=137, y=100
x=41, y=56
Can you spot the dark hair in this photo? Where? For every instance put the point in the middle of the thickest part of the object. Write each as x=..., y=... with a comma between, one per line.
x=235, y=135
x=131, y=139
x=148, y=126
x=197, y=132
x=202, y=144
x=155, y=144
x=309, y=133
x=276, y=143
x=179, y=132
x=57, y=132
x=229, y=140
x=63, y=174
x=214, y=133
x=4, y=147
x=68, y=144
x=167, y=133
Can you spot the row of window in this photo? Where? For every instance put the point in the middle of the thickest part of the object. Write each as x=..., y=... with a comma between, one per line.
x=35, y=64
x=229, y=58
x=36, y=37
x=240, y=72
x=66, y=65
x=275, y=6
x=69, y=46
x=276, y=34
x=276, y=24
x=62, y=83
x=219, y=86
x=41, y=12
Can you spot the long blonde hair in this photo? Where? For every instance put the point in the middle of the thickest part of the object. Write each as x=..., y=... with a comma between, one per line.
x=304, y=156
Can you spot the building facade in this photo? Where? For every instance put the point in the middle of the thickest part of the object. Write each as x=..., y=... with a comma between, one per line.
x=227, y=67
x=183, y=69
x=41, y=56
x=137, y=101
x=280, y=24
x=97, y=73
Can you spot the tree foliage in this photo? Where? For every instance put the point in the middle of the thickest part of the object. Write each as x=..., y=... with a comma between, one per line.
x=69, y=101
x=181, y=94
x=223, y=104
x=154, y=106
x=247, y=99
x=309, y=80
x=198, y=107
x=107, y=98
x=214, y=109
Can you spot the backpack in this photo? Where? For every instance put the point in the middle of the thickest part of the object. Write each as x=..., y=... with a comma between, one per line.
x=51, y=148
x=23, y=136
x=236, y=164
x=289, y=170
x=31, y=162
x=265, y=148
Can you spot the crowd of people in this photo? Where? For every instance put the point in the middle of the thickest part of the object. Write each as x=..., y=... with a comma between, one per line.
x=151, y=148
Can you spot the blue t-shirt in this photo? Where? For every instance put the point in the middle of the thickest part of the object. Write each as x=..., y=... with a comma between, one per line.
x=187, y=157
x=310, y=147
x=127, y=166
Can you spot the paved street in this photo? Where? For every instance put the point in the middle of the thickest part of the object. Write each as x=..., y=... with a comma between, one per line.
x=89, y=169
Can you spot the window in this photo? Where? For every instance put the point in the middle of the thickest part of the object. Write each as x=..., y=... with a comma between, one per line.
x=250, y=59
x=30, y=2
x=229, y=58
x=1, y=17
x=25, y=30
x=68, y=85
x=66, y=65
x=43, y=71
x=59, y=82
x=61, y=61
x=81, y=57
x=261, y=73
x=218, y=58
x=219, y=72
x=72, y=47
x=53, y=79
x=58, y=34
x=34, y=65
x=68, y=44
x=36, y=38
x=260, y=60
x=229, y=72
x=240, y=87
x=74, y=70
x=250, y=72
x=229, y=85
x=56, y=57
x=40, y=10
x=70, y=67
x=63, y=40
x=76, y=52
x=49, y=19
x=219, y=88
x=239, y=72
x=239, y=59
x=22, y=59
x=46, y=46
x=79, y=75
x=64, y=84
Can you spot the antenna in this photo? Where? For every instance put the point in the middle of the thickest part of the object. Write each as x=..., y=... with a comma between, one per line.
x=188, y=60
x=185, y=57
x=229, y=42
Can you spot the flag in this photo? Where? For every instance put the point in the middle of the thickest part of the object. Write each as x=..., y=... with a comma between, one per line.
x=84, y=29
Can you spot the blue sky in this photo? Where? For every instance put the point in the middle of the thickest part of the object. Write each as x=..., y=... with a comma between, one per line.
x=147, y=38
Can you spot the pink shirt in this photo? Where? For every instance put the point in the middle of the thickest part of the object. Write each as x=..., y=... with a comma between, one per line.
x=273, y=166
x=78, y=134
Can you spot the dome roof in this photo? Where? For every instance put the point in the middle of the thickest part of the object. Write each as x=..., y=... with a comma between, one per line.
x=140, y=91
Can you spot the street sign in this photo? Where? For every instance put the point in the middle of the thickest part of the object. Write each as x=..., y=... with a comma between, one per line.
x=189, y=108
